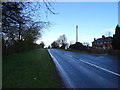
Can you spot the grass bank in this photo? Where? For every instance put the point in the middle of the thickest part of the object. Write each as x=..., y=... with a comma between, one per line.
x=97, y=51
x=78, y=51
x=31, y=69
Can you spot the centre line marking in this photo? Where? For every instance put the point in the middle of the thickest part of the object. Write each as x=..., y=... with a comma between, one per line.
x=97, y=66
x=100, y=67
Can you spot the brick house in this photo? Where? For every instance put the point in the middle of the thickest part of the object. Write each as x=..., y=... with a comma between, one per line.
x=102, y=43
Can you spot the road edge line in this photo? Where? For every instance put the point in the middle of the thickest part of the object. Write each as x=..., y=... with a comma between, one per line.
x=63, y=72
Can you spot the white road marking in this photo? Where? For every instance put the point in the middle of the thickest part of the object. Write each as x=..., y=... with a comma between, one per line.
x=97, y=66
x=100, y=67
x=68, y=80
x=68, y=55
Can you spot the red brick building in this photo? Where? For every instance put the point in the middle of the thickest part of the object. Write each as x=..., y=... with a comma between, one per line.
x=102, y=43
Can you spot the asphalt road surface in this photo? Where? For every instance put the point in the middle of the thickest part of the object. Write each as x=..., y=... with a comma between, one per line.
x=82, y=70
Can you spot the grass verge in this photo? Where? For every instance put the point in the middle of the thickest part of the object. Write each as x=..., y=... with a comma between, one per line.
x=31, y=69
x=78, y=51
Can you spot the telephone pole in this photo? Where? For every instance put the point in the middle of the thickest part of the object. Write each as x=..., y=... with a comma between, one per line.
x=76, y=33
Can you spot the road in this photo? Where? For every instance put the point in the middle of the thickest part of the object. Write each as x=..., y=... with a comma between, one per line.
x=82, y=70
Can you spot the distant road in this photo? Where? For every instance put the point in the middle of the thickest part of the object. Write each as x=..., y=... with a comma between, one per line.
x=82, y=70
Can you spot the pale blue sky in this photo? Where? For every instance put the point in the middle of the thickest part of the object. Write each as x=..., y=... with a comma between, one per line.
x=94, y=19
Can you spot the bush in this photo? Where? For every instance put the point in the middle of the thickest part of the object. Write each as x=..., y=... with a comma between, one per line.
x=77, y=46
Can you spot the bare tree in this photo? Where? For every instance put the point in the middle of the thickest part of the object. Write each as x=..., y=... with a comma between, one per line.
x=18, y=25
x=86, y=44
x=62, y=40
x=55, y=45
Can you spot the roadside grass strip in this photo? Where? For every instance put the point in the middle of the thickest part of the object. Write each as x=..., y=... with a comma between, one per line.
x=31, y=69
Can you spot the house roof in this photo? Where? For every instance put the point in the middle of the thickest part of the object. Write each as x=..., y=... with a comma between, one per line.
x=102, y=39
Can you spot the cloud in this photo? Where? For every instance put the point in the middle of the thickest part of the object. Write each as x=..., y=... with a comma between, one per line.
x=48, y=38
x=87, y=38
x=109, y=32
x=98, y=36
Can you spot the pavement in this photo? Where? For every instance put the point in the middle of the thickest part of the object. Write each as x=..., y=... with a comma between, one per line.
x=83, y=70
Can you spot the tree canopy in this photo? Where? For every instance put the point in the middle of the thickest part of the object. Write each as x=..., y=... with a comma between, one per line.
x=19, y=30
x=61, y=42
x=77, y=46
x=54, y=45
x=116, y=38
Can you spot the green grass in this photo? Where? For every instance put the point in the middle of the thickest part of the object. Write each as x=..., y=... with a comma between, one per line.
x=20, y=70
x=79, y=51
x=74, y=50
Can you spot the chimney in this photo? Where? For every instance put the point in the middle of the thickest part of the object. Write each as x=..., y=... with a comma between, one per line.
x=103, y=36
x=94, y=39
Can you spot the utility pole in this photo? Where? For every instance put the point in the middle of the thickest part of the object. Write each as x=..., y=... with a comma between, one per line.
x=76, y=33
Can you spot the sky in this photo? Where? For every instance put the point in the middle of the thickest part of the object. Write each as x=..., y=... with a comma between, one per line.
x=94, y=19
